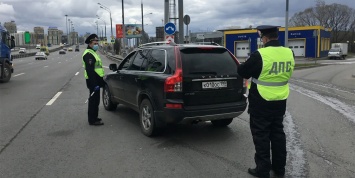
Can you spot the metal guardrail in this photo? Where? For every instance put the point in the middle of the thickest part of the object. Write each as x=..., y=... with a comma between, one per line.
x=112, y=57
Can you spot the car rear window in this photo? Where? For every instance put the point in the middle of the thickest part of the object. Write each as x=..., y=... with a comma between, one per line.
x=208, y=60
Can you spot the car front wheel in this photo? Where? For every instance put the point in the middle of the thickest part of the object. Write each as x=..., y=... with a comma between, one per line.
x=222, y=122
x=147, y=119
x=6, y=73
x=106, y=99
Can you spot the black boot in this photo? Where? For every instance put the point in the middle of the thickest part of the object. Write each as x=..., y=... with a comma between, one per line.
x=255, y=173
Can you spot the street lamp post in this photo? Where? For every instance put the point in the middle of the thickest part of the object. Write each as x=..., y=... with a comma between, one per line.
x=66, y=25
x=69, y=38
x=108, y=10
x=104, y=22
x=143, y=34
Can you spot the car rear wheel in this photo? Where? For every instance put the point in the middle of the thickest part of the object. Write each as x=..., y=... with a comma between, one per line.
x=222, y=122
x=147, y=119
x=106, y=99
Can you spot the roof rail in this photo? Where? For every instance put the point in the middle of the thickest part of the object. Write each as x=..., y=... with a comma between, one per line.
x=206, y=43
x=158, y=43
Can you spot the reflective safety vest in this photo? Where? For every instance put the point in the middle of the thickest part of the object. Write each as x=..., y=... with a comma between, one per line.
x=98, y=63
x=278, y=65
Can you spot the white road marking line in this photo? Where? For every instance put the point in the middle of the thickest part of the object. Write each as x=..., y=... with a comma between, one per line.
x=333, y=88
x=18, y=74
x=343, y=108
x=77, y=73
x=296, y=158
x=59, y=62
x=30, y=63
x=50, y=102
x=45, y=66
x=105, y=67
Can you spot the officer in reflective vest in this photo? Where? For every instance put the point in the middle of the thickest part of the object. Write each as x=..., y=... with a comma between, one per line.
x=94, y=78
x=270, y=69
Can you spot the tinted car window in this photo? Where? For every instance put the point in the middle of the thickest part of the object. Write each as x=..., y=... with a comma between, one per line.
x=155, y=61
x=210, y=61
x=138, y=60
x=128, y=61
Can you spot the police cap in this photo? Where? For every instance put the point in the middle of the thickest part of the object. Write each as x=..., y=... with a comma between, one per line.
x=92, y=37
x=267, y=29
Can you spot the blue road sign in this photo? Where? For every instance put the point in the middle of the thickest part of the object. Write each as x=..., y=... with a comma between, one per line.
x=169, y=28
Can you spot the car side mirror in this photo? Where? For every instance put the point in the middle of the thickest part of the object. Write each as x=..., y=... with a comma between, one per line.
x=113, y=67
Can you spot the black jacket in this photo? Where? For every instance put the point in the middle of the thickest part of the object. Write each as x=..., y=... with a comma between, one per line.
x=258, y=106
x=94, y=79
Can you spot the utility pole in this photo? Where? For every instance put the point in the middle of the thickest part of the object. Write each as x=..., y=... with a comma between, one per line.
x=286, y=25
x=142, y=22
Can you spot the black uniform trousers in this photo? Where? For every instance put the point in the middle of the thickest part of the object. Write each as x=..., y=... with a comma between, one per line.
x=266, y=130
x=94, y=102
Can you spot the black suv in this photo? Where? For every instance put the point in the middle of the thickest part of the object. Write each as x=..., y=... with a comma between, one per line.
x=170, y=83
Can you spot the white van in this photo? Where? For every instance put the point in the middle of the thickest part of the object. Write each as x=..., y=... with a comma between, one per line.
x=38, y=46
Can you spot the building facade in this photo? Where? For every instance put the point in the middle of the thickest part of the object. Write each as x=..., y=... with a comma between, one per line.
x=310, y=41
x=54, y=36
x=11, y=27
x=73, y=38
x=39, y=35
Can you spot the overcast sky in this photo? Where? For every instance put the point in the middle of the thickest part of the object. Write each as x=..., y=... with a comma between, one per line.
x=206, y=15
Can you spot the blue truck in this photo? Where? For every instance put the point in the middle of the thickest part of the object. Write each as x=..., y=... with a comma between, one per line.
x=7, y=42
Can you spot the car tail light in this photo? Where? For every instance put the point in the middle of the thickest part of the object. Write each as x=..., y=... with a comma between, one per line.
x=236, y=60
x=245, y=83
x=174, y=83
x=174, y=106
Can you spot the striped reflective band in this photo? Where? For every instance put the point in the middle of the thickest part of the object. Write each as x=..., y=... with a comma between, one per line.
x=268, y=83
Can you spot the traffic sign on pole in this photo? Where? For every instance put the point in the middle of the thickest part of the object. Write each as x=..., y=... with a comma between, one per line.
x=169, y=28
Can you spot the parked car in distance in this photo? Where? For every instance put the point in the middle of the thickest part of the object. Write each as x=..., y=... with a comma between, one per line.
x=22, y=50
x=41, y=55
x=62, y=51
x=77, y=48
x=70, y=49
x=65, y=49
x=38, y=46
x=170, y=84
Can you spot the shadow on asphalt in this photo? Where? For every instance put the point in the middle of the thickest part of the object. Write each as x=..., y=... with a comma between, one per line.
x=191, y=131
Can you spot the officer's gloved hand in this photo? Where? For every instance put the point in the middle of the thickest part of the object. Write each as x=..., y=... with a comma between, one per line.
x=97, y=88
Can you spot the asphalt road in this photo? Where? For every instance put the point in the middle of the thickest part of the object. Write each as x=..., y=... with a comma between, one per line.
x=33, y=49
x=42, y=140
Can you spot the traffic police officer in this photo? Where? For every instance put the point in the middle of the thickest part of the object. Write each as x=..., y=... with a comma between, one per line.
x=94, y=78
x=269, y=68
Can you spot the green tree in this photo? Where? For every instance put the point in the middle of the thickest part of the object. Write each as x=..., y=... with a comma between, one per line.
x=339, y=18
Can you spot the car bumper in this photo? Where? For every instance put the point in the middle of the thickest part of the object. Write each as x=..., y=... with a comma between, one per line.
x=188, y=116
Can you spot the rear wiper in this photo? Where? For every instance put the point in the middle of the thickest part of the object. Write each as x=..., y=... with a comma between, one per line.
x=211, y=73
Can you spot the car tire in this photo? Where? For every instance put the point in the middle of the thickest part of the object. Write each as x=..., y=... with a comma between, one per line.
x=222, y=122
x=106, y=99
x=6, y=72
x=147, y=119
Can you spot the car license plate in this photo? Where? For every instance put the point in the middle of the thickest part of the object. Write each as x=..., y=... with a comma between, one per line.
x=214, y=85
